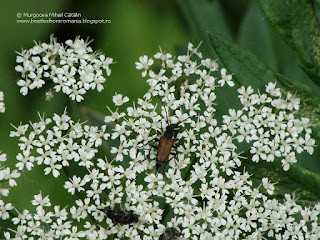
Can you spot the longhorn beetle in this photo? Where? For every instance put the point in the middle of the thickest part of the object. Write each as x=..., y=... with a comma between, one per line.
x=166, y=141
x=121, y=217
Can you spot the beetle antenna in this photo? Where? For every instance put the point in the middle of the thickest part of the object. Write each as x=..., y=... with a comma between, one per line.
x=187, y=118
x=168, y=122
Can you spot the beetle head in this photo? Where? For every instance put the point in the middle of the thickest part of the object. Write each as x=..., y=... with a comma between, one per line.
x=169, y=131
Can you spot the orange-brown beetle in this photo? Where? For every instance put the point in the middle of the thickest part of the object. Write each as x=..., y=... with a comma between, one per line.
x=166, y=142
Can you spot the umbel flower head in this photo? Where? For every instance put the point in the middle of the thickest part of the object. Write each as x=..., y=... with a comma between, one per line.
x=73, y=68
x=199, y=192
x=268, y=122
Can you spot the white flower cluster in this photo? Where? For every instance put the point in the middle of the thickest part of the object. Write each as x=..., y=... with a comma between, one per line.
x=74, y=68
x=44, y=224
x=7, y=179
x=2, y=106
x=54, y=147
x=199, y=191
x=267, y=121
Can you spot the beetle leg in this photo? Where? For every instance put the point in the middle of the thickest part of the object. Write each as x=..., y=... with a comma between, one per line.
x=174, y=155
x=154, y=139
x=146, y=157
x=153, y=146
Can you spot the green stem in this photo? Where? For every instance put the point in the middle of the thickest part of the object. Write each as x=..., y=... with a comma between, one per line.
x=305, y=178
x=75, y=109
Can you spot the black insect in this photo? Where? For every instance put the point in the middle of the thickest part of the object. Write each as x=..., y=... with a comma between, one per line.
x=170, y=234
x=121, y=217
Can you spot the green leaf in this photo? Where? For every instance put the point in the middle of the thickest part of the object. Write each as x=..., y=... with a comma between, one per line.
x=310, y=100
x=255, y=35
x=317, y=8
x=297, y=180
x=247, y=68
x=297, y=24
x=308, y=94
x=205, y=16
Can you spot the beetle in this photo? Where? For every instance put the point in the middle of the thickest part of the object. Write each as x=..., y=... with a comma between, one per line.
x=170, y=234
x=166, y=141
x=121, y=217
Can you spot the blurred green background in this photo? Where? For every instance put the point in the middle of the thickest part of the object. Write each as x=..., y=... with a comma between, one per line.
x=137, y=28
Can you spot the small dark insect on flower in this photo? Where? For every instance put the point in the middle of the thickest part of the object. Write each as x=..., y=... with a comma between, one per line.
x=121, y=217
x=170, y=234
